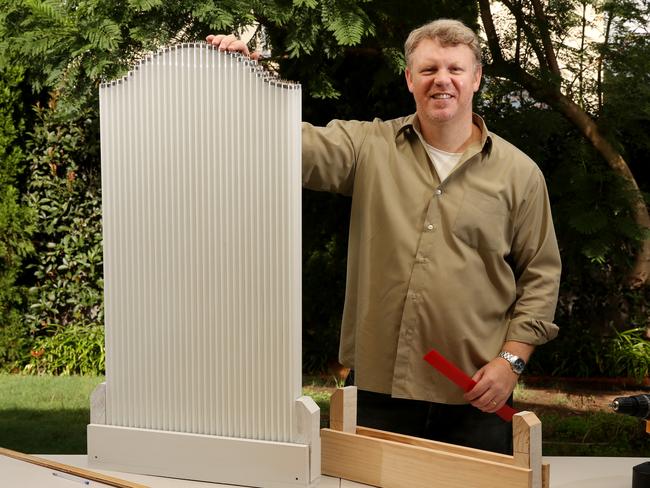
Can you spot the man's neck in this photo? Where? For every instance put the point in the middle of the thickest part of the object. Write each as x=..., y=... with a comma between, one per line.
x=453, y=138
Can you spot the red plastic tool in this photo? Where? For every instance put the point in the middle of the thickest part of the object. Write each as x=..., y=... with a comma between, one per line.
x=451, y=371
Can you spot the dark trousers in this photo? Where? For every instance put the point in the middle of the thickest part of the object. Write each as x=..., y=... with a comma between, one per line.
x=464, y=425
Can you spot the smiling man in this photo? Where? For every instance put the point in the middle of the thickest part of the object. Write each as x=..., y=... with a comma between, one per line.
x=443, y=80
x=451, y=247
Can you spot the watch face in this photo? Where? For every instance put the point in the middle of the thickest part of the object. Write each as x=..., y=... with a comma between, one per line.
x=518, y=366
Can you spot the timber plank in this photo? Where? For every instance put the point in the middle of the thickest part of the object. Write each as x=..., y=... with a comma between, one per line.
x=73, y=470
x=436, y=445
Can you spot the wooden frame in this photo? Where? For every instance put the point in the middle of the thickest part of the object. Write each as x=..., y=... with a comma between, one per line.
x=385, y=459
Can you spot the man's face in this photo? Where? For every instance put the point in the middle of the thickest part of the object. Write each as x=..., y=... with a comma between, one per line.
x=443, y=81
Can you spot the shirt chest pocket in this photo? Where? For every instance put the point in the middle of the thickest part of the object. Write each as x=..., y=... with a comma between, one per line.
x=481, y=222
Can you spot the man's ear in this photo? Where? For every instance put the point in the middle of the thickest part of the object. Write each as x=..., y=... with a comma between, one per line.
x=409, y=80
x=478, y=72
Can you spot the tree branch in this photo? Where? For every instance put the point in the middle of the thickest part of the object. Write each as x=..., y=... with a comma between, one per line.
x=518, y=38
x=608, y=26
x=518, y=13
x=542, y=21
x=490, y=31
x=581, y=81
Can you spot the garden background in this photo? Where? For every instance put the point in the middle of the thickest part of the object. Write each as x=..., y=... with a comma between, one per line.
x=567, y=81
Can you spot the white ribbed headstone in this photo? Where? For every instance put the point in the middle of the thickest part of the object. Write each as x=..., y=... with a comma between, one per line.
x=201, y=184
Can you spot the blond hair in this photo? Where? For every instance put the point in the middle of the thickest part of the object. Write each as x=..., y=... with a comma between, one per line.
x=448, y=32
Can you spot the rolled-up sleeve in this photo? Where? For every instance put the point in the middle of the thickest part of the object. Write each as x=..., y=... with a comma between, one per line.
x=537, y=267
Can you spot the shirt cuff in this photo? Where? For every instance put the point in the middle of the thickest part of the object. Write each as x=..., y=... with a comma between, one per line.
x=531, y=331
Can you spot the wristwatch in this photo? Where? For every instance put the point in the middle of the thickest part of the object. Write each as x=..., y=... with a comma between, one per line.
x=516, y=363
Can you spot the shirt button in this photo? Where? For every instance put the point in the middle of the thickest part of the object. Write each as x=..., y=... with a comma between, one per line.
x=437, y=192
x=430, y=227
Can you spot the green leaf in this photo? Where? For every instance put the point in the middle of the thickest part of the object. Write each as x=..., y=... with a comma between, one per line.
x=349, y=26
x=104, y=36
x=395, y=58
x=51, y=11
x=144, y=5
x=322, y=88
x=305, y=3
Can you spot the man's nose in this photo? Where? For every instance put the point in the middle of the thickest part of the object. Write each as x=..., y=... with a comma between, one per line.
x=442, y=78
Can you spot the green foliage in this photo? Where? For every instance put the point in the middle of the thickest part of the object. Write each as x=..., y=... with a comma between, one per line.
x=324, y=258
x=15, y=227
x=347, y=21
x=305, y=3
x=348, y=56
x=229, y=15
x=627, y=118
x=67, y=268
x=15, y=220
x=351, y=51
x=72, y=350
x=71, y=47
x=629, y=353
x=144, y=5
x=596, y=205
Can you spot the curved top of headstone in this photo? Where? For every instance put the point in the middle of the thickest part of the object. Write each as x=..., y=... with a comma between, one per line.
x=246, y=63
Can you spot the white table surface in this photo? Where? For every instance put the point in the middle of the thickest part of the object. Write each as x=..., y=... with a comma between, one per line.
x=566, y=472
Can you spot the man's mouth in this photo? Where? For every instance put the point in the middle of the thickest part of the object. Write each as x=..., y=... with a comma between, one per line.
x=441, y=96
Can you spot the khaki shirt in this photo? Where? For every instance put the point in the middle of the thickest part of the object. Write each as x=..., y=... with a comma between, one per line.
x=460, y=266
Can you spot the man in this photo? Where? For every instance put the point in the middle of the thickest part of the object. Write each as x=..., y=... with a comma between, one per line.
x=451, y=247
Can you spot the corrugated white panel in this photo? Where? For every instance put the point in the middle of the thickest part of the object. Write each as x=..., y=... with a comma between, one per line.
x=201, y=202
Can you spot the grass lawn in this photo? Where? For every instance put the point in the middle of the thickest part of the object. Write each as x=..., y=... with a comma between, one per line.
x=49, y=414
x=45, y=414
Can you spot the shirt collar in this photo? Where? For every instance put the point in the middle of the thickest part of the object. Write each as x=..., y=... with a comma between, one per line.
x=413, y=123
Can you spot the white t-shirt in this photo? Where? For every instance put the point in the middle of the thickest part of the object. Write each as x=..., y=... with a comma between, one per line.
x=443, y=161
